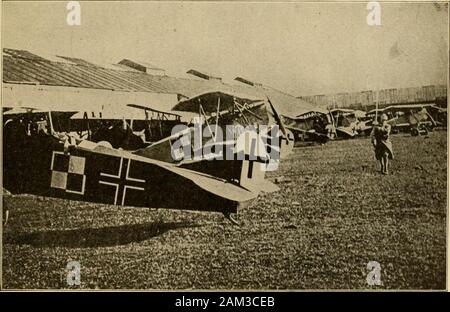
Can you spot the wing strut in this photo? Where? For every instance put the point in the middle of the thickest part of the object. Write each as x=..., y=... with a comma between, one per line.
x=240, y=111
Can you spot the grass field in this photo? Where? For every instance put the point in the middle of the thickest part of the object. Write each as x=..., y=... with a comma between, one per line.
x=333, y=214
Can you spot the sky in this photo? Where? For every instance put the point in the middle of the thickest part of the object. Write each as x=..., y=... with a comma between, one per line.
x=300, y=48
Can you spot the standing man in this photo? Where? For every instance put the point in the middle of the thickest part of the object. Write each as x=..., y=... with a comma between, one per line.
x=382, y=144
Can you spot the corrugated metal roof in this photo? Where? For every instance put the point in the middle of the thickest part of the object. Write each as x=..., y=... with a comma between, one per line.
x=20, y=66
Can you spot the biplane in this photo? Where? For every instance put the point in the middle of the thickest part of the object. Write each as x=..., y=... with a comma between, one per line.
x=50, y=162
x=311, y=126
x=222, y=110
x=348, y=122
x=413, y=118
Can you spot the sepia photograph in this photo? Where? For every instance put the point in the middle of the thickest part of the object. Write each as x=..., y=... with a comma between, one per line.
x=197, y=145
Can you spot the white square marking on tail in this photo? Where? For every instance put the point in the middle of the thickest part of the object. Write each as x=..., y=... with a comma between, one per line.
x=59, y=180
x=76, y=164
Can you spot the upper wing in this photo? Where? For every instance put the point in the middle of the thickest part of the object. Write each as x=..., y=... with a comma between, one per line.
x=149, y=108
x=210, y=101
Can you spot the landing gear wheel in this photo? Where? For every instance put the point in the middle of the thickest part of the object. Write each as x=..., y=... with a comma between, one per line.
x=230, y=218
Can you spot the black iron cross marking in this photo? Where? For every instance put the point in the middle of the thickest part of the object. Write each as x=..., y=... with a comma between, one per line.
x=122, y=181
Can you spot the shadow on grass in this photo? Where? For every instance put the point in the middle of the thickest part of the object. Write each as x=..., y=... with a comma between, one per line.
x=97, y=237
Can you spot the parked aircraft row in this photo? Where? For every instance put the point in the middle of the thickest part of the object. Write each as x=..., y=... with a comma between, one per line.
x=126, y=157
x=323, y=125
x=130, y=155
